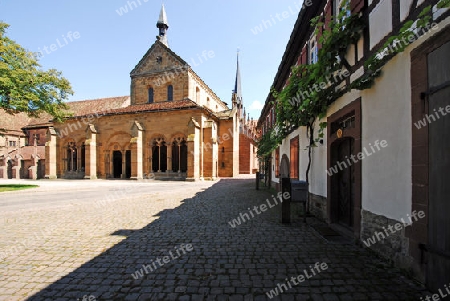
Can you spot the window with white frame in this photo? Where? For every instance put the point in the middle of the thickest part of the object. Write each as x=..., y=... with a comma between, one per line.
x=313, y=50
x=339, y=6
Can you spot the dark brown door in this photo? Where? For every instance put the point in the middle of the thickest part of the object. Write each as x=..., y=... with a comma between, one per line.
x=343, y=182
x=438, y=268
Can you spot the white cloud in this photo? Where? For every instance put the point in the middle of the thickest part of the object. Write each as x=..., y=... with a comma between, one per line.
x=257, y=105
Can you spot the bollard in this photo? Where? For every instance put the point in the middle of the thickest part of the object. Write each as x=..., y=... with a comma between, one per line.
x=286, y=205
x=257, y=180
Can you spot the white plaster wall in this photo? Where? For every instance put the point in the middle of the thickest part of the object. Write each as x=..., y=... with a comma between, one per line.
x=386, y=115
x=380, y=22
x=405, y=6
x=318, y=175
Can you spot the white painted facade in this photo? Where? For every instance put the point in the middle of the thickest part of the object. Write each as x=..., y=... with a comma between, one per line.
x=386, y=115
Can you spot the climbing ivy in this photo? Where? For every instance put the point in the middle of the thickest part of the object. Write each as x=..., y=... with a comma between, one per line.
x=312, y=88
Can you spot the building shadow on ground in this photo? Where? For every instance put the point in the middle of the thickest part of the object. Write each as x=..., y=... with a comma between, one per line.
x=201, y=221
x=225, y=263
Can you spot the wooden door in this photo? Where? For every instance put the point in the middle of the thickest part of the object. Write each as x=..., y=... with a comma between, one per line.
x=438, y=267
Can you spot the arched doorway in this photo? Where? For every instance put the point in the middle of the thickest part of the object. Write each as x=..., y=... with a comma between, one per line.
x=117, y=164
x=343, y=182
x=10, y=169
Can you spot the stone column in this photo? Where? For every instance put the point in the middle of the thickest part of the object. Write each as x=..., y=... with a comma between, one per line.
x=193, y=144
x=50, y=154
x=169, y=158
x=124, y=165
x=137, y=151
x=90, y=149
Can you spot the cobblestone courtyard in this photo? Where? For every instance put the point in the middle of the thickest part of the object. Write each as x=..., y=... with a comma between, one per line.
x=90, y=248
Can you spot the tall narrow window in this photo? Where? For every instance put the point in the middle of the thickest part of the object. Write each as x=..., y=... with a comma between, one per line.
x=150, y=95
x=197, y=95
x=313, y=51
x=340, y=6
x=71, y=157
x=277, y=162
x=170, y=93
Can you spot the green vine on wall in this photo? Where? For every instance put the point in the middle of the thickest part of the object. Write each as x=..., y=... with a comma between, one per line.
x=312, y=88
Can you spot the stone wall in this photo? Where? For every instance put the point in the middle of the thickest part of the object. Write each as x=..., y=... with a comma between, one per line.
x=392, y=245
x=245, y=154
x=318, y=206
x=226, y=152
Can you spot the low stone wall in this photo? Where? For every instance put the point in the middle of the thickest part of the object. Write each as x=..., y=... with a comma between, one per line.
x=318, y=206
x=379, y=234
x=74, y=175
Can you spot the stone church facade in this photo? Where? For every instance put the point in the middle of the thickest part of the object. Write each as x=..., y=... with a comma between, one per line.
x=172, y=126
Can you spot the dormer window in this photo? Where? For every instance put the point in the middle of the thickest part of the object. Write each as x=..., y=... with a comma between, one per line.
x=170, y=93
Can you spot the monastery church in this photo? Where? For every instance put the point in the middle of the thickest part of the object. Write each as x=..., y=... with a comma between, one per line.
x=172, y=126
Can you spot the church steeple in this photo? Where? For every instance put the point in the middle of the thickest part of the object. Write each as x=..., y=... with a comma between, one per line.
x=237, y=87
x=163, y=26
x=237, y=84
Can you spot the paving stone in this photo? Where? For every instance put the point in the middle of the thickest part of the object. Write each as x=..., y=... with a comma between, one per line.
x=83, y=249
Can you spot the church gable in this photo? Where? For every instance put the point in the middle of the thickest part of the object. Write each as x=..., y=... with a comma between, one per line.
x=158, y=59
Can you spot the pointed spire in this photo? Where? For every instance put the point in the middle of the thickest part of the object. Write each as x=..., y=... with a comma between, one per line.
x=237, y=84
x=163, y=16
x=163, y=26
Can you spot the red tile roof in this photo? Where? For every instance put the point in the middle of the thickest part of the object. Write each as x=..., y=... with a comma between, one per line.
x=99, y=106
x=157, y=106
x=16, y=122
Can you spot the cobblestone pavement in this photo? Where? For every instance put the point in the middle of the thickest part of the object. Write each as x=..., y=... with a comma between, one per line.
x=92, y=252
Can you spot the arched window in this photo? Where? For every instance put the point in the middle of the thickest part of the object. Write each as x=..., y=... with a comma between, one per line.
x=170, y=93
x=71, y=158
x=150, y=95
x=159, y=155
x=179, y=155
x=208, y=102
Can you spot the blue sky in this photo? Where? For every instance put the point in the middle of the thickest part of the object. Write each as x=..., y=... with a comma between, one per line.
x=97, y=43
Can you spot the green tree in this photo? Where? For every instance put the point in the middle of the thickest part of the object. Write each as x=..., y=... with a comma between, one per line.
x=24, y=86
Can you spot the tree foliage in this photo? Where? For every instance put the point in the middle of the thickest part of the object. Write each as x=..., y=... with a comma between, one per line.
x=24, y=86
